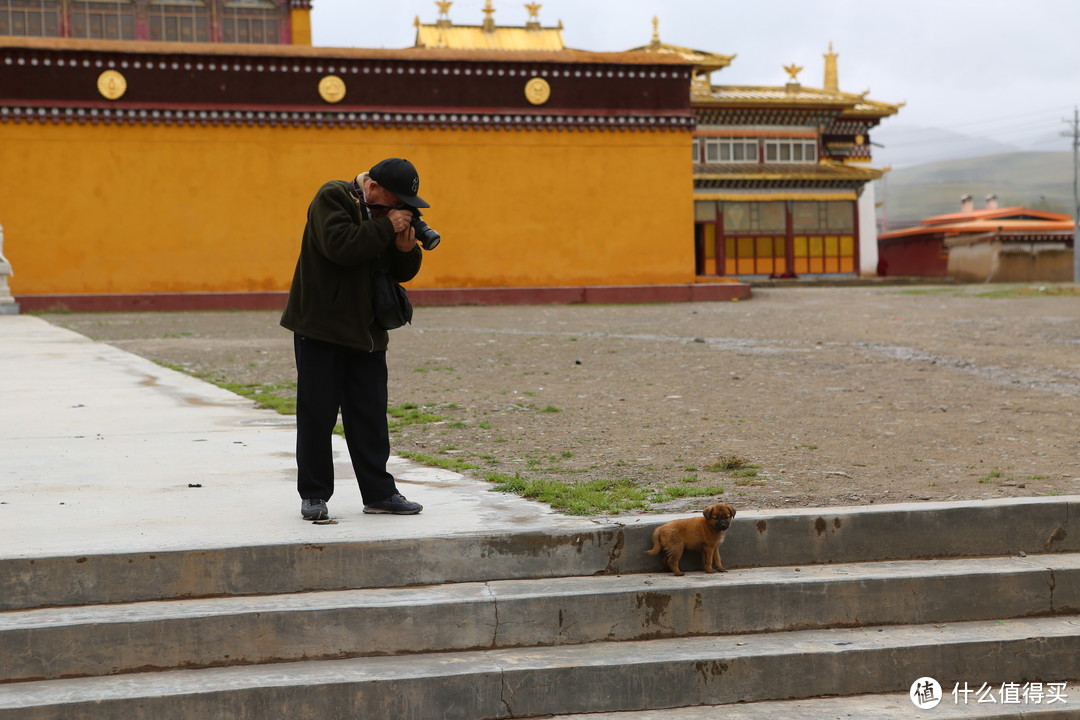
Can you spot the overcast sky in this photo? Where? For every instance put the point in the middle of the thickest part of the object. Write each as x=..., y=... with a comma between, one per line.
x=1008, y=70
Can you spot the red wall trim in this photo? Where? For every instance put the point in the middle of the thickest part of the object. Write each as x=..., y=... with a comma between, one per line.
x=594, y=294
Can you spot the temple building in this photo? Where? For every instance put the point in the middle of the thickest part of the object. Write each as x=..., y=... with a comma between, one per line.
x=141, y=174
x=219, y=21
x=782, y=185
x=781, y=182
x=187, y=139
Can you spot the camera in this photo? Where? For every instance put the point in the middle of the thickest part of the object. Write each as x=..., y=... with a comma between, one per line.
x=428, y=238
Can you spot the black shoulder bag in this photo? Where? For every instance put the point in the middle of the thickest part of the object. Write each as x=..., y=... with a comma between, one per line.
x=390, y=301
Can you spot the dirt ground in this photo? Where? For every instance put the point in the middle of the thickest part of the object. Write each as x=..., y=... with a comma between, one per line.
x=824, y=396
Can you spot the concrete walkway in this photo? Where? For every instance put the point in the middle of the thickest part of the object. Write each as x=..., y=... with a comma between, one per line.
x=101, y=449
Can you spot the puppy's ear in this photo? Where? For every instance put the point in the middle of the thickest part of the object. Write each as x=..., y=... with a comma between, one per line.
x=706, y=514
x=732, y=511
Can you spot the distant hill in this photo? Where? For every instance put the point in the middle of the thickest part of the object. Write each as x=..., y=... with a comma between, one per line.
x=900, y=146
x=1040, y=180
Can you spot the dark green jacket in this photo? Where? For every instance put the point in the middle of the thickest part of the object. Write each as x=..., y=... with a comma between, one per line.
x=330, y=297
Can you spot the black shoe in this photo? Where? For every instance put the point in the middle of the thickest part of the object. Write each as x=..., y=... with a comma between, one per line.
x=314, y=509
x=396, y=504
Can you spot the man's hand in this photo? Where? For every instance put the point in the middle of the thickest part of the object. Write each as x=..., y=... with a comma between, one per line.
x=401, y=219
x=406, y=239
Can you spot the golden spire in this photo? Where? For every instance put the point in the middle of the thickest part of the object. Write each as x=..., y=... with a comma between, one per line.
x=655, y=30
x=444, y=13
x=793, y=71
x=489, y=17
x=534, y=16
x=832, y=78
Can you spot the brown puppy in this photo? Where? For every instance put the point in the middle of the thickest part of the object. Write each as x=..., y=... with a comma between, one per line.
x=697, y=533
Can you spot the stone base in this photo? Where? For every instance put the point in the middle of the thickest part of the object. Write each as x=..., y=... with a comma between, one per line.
x=9, y=308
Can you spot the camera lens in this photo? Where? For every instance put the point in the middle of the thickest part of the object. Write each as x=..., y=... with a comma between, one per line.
x=428, y=238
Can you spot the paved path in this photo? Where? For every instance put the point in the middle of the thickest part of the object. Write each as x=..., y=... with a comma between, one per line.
x=99, y=449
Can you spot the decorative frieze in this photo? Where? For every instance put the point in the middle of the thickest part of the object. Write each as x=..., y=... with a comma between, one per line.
x=296, y=118
x=105, y=83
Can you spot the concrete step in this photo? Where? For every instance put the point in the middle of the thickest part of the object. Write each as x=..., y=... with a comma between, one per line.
x=1065, y=705
x=110, y=639
x=610, y=547
x=598, y=677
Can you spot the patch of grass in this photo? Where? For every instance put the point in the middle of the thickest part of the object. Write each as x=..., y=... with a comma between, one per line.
x=588, y=498
x=458, y=465
x=729, y=462
x=683, y=491
x=410, y=414
x=551, y=409
x=265, y=396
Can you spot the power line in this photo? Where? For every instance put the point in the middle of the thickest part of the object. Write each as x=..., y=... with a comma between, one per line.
x=992, y=121
x=1074, y=133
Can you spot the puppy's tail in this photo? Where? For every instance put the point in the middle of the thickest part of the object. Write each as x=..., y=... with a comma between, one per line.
x=655, y=544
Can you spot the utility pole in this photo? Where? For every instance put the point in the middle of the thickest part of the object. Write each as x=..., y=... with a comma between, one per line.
x=1075, y=134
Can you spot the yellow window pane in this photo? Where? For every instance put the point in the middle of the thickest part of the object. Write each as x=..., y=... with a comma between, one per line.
x=746, y=248
x=817, y=265
x=746, y=266
x=832, y=265
x=832, y=246
x=802, y=266
x=708, y=236
x=729, y=267
x=763, y=247
x=847, y=264
x=816, y=247
x=801, y=246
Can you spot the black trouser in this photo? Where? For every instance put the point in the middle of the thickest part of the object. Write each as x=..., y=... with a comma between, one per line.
x=332, y=377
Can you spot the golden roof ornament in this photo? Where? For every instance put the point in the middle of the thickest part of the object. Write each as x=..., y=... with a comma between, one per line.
x=832, y=77
x=534, y=16
x=793, y=71
x=489, y=17
x=655, y=30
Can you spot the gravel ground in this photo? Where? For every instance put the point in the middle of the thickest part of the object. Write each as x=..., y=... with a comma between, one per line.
x=797, y=397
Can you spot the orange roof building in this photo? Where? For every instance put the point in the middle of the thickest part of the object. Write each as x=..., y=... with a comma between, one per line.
x=994, y=244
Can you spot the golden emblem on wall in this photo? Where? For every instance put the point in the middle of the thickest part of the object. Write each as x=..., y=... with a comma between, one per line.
x=537, y=91
x=332, y=89
x=111, y=85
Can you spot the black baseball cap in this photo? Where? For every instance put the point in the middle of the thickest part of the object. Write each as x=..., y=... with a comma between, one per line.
x=399, y=177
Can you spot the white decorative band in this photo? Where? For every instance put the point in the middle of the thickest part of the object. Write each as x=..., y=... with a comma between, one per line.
x=342, y=119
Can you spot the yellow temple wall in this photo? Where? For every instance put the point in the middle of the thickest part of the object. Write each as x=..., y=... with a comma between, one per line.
x=165, y=209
